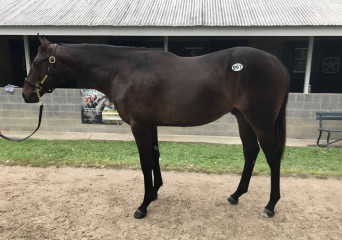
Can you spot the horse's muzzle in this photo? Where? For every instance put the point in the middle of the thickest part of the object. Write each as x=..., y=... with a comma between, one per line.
x=33, y=98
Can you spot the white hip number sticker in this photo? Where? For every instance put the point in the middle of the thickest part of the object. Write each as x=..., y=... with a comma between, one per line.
x=237, y=67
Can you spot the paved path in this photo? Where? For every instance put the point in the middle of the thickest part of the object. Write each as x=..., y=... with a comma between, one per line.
x=162, y=137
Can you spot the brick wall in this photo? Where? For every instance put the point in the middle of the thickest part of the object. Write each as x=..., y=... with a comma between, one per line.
x=301, y=114
x=62, y=113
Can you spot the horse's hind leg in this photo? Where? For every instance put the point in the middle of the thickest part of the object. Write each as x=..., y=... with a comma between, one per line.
x=250, y=151
x=273, y=155
x=144, y=139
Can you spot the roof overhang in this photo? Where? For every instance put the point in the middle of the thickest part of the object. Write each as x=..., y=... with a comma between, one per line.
x=173, y=31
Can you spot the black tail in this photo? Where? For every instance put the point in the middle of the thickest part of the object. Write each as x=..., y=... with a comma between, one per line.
x=280, y=124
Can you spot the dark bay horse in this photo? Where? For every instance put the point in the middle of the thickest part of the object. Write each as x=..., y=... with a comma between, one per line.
x=153, y=88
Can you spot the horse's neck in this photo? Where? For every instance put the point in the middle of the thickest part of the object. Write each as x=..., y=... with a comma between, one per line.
x=92, y=68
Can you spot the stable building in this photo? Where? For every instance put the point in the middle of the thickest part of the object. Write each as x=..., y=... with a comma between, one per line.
x=305, y=35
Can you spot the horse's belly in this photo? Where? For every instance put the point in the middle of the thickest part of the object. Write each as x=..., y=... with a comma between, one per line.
x=186, y=116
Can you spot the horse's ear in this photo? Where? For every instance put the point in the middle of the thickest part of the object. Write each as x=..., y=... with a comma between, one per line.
x=43, y=41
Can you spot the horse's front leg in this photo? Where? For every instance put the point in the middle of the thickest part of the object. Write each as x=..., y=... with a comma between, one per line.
x=144, y=139
x=158, y=181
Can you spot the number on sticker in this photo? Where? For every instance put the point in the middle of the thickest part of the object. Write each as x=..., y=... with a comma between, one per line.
x=237, y=67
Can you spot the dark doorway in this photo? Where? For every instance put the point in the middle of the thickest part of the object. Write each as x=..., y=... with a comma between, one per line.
x=17, y=61
x=326, y=73
x=295, y=54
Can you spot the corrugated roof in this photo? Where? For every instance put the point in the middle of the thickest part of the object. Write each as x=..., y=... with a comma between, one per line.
x=180, y=13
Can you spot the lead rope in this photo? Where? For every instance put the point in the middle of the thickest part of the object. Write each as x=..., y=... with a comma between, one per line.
x=41, y=107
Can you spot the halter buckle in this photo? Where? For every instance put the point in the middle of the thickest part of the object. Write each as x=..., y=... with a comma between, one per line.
x=52, y=59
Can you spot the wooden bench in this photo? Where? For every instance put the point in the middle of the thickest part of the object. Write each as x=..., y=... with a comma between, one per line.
x=322, y=116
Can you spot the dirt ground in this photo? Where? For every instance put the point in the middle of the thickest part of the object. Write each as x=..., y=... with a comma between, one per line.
x=83, y=203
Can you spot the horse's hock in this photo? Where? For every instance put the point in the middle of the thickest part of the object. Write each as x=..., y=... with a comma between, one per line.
x=63, y=114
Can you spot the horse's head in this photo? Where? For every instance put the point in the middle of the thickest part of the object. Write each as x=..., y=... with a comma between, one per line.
x=42, y=73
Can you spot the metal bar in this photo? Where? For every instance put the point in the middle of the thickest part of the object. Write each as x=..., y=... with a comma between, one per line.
x=27, y=54
x=328, y=113
x=308, y=65
x=166, y=44
x=329, y=118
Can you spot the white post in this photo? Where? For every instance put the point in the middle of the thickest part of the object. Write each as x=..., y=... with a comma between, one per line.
x=27, y=54
x=166, y=44
x=308, y=65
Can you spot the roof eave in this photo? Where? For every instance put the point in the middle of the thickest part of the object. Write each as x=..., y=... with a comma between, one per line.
x=174, y=30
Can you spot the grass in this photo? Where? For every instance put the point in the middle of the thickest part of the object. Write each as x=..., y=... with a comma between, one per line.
x=208, y=158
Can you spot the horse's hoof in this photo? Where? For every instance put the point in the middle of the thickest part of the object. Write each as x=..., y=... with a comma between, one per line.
x=267, y=213
x=232, y=201
x=139, y=214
